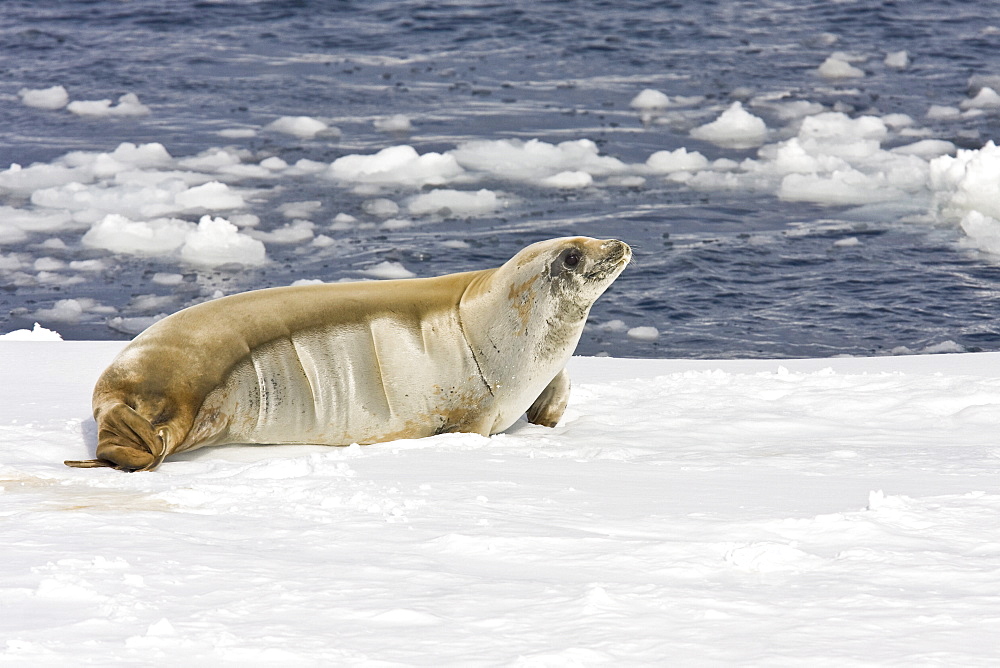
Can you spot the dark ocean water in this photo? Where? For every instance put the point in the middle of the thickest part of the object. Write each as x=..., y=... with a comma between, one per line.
x=718, y=273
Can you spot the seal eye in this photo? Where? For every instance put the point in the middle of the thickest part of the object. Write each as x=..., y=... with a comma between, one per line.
x=572, y=259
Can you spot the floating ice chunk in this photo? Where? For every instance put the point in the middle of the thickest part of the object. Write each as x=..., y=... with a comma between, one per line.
x=118, y=234
x=897, y=121
x=48, y=264
x=969, y=181
x=898, y=60
x=948, y=346
x=643, y=333
x=303, y=127
x=396, y=165
x=678, y=160
x=55, y=97
x=983, y=231
x=396, y=224
x=216, y=241
x=395, y=123
x=66, y=310
x=380, y=207
x=535, y=160
x=36, y=333
x=300, y=209
x=926, y=148
x=294, y=232
x=211, y=196
x=735, y=128
x=650, y=99
x=387, y=269
x=938, y=112
x=128, y=105
x=839, y=126
x=788, y=111
x=88, y=265
x=842, y=187
x=212, y=160
x=274, y=164
x=613, y=326
x=986, y=98
x=447, y=203
x=134, y=325
x=343, y=221
x=568, y=180
x=838, y=67
x=25, y=180
x=35, y=221
x=238, y=133
x=169, y=279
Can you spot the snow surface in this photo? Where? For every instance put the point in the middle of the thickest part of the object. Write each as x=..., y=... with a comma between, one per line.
x=829, y=512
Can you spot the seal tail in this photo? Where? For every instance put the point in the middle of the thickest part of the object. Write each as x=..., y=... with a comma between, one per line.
x=127, y=441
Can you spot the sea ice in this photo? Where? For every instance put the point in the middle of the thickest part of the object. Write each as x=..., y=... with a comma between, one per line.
x=535, y=160
x=986, y=98
x=396, y=165
x=734, y=128
x=118, y=234
x=216, y=241
x=128, y=105
x=568, y=180
x=394, y=123
x=388, y=270
x=650, y=99
x=837, y=66
x=643, y=333
x=899, y=60
x=303, y=127
x=678, y=160
x=55, y=97
x=446, y=202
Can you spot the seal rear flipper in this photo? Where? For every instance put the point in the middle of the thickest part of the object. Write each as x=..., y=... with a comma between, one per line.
x=126, y=441
x=551, y=403
x=89, y=463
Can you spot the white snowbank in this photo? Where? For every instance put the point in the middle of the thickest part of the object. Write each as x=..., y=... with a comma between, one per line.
x=55, y=97
x=850, y=502
x=36, y=333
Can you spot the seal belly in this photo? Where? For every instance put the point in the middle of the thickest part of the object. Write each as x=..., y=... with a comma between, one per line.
x=361, y=383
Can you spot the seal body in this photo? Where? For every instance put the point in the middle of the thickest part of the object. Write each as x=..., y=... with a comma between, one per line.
x=362, y=362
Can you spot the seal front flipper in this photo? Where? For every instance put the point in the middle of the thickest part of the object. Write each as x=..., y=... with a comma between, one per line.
x=551, y=403
x=126, y=441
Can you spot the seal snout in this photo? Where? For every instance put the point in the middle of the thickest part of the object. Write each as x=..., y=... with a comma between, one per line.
x=617, y=251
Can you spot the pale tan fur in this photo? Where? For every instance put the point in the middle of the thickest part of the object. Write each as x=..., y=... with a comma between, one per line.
x=361, y=362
